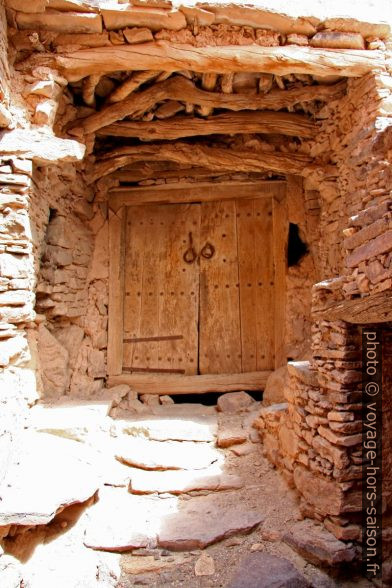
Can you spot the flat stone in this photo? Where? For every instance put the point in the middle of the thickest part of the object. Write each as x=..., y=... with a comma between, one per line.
x=72, y=419
x=205, y=520
x=182, y=481
x=266, y=571
x=205, y=565
x=243, y=449
x=317, y=545
x=184, y=409
x=169, y=455
x=120, y=521
x=231, y=435
x=172, y=428
x=49, y=474
x=138, y=564
x=234, y=402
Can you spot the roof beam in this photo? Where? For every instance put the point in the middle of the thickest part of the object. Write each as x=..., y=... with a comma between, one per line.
x=214, y=158
x=283, y=123
x=179, y=88
x=166, y=56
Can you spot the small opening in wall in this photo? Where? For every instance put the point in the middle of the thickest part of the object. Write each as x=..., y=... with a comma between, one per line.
x=209, y=398
x=296, y=247
x=52, y=214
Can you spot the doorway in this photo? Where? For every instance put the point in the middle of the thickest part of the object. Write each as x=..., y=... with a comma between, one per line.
x=201, y=289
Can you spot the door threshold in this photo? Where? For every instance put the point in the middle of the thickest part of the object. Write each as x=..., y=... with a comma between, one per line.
x=182, y=384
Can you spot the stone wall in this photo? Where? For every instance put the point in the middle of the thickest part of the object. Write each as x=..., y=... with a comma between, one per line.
x=315, y=438
x=72, y=294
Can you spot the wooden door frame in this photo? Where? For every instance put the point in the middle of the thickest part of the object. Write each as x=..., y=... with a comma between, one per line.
x=178, y=384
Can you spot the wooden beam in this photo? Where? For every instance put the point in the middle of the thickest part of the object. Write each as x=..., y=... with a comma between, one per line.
x=161, y=170
x=172, y=57
x=179, y=88
x=178, y=384
x=199, y=192
x=116, y=292
x=283, y=123
x=375, y=308
x=215, y=158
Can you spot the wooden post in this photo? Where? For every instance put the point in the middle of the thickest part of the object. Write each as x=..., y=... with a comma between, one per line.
x=280, y=241
x=116, y=291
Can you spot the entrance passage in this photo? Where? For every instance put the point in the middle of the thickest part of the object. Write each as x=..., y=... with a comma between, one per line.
x=200, y=289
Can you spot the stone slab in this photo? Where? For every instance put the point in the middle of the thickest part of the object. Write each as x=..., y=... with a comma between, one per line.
x=182, y=481
x=120, y=521
x=266, y=571
x=169, y=455
x=49, y=474
x=172, y=428
x=318, y=545
x=72, y=419
x=205, y=520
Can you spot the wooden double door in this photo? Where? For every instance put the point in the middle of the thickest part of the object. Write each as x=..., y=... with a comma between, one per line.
x=199, y=287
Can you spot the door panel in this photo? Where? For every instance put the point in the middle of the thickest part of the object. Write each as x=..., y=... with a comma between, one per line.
x=161, y=290
x=220, y=334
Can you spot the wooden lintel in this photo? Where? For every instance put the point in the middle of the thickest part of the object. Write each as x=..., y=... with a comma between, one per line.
x=375, y=308
x=197, y=192
x=178, y=384
x=216, y=158
x=283, y=123
x=166, y=56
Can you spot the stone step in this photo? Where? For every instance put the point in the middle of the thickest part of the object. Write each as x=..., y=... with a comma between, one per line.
x=71, y=418
x=204, y=520
x=169, y=455
x=182, y=481
x=121, y=521
x=172, y=427
x=50, y=473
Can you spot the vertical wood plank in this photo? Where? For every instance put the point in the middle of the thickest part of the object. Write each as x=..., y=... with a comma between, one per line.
x=265, y=292
x=161, y=290
x=179, y=290
x=116, y=289
x=280, y=241
x=256, y=277
x=220, y=331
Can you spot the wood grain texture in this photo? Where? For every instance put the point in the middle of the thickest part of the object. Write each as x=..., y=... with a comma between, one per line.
x=161, y=290
x=191, y=192
x=168, y=56
x=220, y=328
x=221, y=124
x=179, y=88
x=280, y=242
x=256, y=276
x=214, y=158
x=116, y=289
x=178, y=384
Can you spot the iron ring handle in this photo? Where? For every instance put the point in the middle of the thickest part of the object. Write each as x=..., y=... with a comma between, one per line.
x=208, y=251
x=190, y=255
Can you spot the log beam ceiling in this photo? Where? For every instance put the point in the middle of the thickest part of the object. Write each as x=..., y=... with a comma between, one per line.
x=294, y=125
x=179, y=88
x=171, y=57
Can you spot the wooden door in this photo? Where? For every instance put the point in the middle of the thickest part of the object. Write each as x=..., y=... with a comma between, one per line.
x=161, y=290
x=236, y=328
